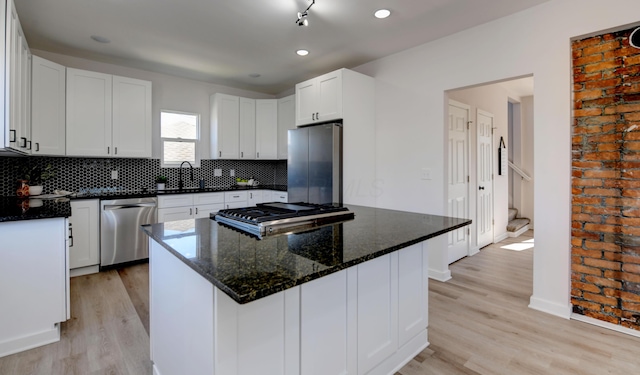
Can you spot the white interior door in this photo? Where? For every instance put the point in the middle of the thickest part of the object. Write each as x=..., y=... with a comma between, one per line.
x=484, y=213
x=458, y=182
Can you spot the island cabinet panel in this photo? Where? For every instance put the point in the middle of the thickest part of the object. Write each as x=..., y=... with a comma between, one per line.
x=181, y=316
x=377, y=311
x=251, y=337
x=412, y=292
x=328, y=325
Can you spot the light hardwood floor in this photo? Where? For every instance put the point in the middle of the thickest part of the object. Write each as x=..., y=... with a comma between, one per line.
x=479, y=323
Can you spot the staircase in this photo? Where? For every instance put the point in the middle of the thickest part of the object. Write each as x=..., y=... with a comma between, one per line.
x=517, y=225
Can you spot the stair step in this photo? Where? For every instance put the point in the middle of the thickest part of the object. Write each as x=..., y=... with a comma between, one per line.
x=516, y=224
x=513, y=213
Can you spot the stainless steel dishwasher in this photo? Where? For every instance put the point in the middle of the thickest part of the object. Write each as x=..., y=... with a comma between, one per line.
x=121, y=240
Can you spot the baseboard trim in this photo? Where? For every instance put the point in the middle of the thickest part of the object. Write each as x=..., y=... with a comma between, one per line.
x=606, y=325
x=500, y=237
x=474, y=250
x=30, y=341
x=84, y=271
x=440, y=275
x=553, y=308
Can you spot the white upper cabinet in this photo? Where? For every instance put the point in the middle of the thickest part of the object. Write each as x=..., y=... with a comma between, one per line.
x=267, y=129
x=47, y=107
x=107, y=115
x=247, y=135
x=88, y=113
x=225, y=122
x=131, y=117
x=286, y=121
x=243, y=128
x=319, y=99
x=16, y=96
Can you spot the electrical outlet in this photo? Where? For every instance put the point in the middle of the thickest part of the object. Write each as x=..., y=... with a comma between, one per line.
x=426, y=173
x=217, y=172
x=114, y=175
x=232, y=172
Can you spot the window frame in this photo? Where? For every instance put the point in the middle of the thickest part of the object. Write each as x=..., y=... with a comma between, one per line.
x=195, y=141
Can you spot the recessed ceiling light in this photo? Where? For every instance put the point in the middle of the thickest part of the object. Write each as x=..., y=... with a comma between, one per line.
x=302, y=52
x=100, y=39
x=382, y=13
x=254, y=75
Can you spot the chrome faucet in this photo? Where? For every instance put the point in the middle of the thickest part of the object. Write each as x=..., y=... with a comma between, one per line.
x=180, y=183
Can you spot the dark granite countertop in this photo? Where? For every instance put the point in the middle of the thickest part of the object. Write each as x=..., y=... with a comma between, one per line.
x=14, y=209
x=247, y=268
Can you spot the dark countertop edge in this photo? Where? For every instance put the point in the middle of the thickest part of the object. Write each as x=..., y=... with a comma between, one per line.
x=13, y=218
x=246, y=298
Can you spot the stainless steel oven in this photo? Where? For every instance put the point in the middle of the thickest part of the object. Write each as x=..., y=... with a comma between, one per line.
x=121, y=240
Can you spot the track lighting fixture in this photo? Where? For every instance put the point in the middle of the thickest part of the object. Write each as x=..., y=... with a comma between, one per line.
x=302, y=16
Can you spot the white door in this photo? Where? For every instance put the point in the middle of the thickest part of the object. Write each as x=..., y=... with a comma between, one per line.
x=458, y=182
x=484, y=213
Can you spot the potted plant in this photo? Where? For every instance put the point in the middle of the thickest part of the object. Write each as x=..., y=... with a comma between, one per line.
x=31, y=178
x=161, y=182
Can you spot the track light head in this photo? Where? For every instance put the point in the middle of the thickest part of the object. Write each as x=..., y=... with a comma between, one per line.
x=302, y=16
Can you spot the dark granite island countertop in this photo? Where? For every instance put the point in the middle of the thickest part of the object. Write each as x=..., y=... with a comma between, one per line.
x=247, y=268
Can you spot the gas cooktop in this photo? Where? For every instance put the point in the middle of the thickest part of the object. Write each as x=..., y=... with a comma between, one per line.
x=275, y=218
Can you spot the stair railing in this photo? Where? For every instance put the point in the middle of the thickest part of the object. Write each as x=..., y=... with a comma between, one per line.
x=519, y=171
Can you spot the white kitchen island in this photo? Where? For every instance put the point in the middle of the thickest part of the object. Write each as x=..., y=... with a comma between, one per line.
x=348, y=298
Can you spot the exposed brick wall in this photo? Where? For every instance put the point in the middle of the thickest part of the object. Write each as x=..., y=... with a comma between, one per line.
x=606, y=179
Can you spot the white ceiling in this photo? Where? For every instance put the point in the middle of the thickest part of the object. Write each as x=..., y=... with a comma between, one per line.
x=223, y=41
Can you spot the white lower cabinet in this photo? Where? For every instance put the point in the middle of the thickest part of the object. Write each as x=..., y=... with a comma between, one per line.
x=235, y=199
x=34, y=283
x=328, y=322
x=84, y=246
x=188, y=206
x=377, y=311
x=280, y=196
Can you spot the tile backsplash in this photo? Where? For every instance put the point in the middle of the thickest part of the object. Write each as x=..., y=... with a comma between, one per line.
x=73, y=174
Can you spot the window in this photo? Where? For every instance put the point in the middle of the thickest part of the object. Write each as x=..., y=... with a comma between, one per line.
x=179, y=135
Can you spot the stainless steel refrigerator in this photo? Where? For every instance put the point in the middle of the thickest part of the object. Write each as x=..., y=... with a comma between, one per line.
x=314, y=167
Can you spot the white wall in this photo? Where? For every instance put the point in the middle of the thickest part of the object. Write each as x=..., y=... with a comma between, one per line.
x=410, y=118
x=168, y=92
x=492, y=99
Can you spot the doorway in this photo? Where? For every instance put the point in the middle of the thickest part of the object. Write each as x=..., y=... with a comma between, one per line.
x=490, y=193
